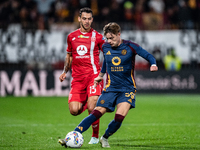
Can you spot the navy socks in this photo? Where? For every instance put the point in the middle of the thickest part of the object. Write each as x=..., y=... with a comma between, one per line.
x=114, y=125
x=86, y=122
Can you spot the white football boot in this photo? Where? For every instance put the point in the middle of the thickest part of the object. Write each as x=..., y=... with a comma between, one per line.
x=94, y=140
x=104, y=142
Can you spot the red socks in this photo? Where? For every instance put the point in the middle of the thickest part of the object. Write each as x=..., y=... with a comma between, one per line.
x=95, y=128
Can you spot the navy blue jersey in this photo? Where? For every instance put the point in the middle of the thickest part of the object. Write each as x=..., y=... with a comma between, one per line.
x=119, y=63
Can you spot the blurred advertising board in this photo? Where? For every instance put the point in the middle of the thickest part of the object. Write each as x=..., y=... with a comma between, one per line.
x=186, y=81
x=46, y=83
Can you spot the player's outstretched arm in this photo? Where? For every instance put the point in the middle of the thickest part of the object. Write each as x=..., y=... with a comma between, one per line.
x=98, y=79
x=153, y=68
x=68, y=62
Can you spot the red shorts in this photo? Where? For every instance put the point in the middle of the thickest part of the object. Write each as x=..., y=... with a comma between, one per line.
x=83, y=88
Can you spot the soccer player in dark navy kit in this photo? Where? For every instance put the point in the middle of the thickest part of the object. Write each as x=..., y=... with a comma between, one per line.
x=119, y=62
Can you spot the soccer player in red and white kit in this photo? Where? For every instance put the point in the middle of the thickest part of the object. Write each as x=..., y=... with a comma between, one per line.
x=84, y=45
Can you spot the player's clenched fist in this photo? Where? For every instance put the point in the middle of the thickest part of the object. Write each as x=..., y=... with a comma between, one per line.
x=97, y=80
x=153, y=68
x=62, y=77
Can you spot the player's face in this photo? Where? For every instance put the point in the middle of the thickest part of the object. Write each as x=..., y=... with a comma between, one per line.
x=85, y=21
x=113, y=40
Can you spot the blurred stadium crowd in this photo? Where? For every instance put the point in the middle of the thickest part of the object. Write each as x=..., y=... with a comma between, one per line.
x=132, y=14
x=29, y=47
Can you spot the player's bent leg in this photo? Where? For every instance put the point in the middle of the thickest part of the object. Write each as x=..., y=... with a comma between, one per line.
x=86, y=122
x=91, y=103
x=75, y=108
x=123, y=108
x=115, y=124
x=77, y=102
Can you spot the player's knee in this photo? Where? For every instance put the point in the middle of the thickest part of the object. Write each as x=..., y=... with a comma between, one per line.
x=90, y=108
x=75, y=108
x=74, y=112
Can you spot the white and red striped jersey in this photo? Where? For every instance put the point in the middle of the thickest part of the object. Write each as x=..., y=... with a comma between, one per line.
x=85, y=49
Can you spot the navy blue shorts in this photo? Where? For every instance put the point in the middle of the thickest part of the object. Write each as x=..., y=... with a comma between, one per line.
x=111, y=99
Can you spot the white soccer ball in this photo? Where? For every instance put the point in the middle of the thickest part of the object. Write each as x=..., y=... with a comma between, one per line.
x=74, y=139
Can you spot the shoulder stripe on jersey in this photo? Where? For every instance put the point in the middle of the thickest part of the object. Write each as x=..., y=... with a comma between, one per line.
x=91, y=52
x=130, y=42
x=108, y=81
x=133, y=46
x=133, y=78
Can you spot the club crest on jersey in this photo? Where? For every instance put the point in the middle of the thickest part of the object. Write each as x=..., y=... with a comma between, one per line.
x=102, y=101
x=116, y=61
x=124, y=52
x=81, y=50
x=82, y=36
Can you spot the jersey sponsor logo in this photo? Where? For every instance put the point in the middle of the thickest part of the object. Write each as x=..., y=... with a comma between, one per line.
x=82, y=36
x=124, y=52
x=115, y=69
x=108, y=53
x=93, y=39
x=116, y=61
x=82, y=56
x=81, y=50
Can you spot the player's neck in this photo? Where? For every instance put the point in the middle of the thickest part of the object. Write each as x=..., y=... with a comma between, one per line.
x=84, y=30
x=120, y=42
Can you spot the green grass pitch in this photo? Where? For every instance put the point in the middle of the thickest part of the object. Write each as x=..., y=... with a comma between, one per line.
x=158, y=122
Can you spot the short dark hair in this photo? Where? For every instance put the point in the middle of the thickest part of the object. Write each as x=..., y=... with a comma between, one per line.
x=112, y=27
x=85, y=9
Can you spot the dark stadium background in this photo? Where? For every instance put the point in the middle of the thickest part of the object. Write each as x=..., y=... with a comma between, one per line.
x=34, y=111
x=33, y=42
